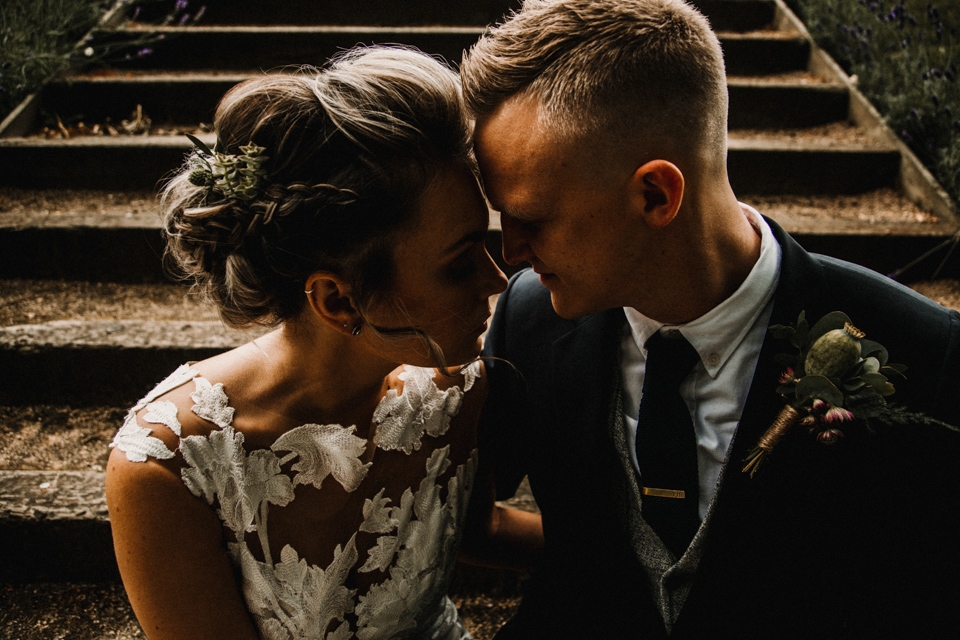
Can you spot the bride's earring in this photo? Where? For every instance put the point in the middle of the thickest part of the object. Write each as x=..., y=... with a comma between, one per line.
x=356, y=330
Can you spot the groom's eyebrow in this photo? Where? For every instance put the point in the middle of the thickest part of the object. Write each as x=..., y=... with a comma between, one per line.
x=516, y=214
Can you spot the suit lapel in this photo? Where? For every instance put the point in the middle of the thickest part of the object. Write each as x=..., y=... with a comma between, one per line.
x=800, y=278
x=752, y=515
x=583, y=362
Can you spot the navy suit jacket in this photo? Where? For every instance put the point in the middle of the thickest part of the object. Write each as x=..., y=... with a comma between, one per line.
x=858, y=539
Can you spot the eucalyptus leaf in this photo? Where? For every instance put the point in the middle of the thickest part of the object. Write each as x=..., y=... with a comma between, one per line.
x=875, y=380
x=870, y=365
x=782, y=331
x=853, y=384
x=829, y=322
x=811, y=387
x=803, y=330
x=894, y=369
x=869, y=348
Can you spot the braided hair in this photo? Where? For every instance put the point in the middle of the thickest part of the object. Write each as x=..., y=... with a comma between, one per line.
x=350, y=149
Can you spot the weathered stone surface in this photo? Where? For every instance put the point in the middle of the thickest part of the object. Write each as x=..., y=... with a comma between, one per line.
x=50, y=495
x=120, y=333
x=54, y=526
x=101, y=362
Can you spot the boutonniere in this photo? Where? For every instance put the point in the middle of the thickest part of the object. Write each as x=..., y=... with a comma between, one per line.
x=833, y=376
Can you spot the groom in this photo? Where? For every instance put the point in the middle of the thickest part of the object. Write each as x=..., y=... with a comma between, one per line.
x=601, y=139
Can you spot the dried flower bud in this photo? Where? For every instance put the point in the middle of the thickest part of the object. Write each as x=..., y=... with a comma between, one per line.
x=837, y=414
x=834, y=352
x=829, y=436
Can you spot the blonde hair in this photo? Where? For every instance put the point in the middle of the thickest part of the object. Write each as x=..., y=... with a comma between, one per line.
x=350, y=150
x=613, y=69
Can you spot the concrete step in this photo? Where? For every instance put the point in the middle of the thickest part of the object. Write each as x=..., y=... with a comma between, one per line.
x=184, y=101
x=781, y=162
x=801, y=165
x=736, y=15
x=247, y=48
x=764, y=52
x=88, y=235
x=785, y=101
x=54, y=527
x=881, y=230
x=336, y=12
x=101, y=361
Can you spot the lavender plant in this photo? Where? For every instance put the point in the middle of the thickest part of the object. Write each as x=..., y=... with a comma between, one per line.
x=906, y=57
x=43, y=39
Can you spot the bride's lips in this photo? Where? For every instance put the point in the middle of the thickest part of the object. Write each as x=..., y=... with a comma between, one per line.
x=484, y=323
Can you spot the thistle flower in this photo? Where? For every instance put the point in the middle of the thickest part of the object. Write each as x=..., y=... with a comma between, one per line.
x=837, y=414
x=829, y=436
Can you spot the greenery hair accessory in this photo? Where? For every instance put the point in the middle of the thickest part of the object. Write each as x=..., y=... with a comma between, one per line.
x=236, y=176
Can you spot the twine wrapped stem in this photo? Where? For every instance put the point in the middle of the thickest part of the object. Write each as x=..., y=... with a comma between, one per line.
x=788, y=417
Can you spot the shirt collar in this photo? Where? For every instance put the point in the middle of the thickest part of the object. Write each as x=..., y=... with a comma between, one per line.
x=717, y=333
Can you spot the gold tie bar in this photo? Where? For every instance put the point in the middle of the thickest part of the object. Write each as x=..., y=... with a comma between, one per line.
x=663, y=493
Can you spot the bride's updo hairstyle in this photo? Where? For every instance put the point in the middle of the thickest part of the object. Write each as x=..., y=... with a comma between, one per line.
x=349, y=150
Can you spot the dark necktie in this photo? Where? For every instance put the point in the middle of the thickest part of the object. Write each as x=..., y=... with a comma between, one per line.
x=667, y=444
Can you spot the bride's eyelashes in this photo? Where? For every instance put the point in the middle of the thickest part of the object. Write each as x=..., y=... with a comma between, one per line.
x=465, y=264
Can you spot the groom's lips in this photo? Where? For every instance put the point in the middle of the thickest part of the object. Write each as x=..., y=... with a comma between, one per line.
x=545, y=277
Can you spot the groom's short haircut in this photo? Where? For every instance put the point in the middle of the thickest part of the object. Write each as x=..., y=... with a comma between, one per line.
x=649, y=70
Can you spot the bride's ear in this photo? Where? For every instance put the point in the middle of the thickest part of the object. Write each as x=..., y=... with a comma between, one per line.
x=331, y=300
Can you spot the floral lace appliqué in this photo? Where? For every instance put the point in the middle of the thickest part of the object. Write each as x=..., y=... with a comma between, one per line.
x=402, y=419
x=218, y=467
x=419, y=556
x=212, y=403
x=324, y=450
x=135, y=441
x=294, y=599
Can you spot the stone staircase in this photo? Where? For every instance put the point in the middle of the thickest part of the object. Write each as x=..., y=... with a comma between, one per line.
x=89, y=323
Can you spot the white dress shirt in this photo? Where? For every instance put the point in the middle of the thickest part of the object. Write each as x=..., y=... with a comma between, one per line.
x=728, y=339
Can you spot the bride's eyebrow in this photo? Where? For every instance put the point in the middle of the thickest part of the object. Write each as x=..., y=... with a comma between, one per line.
x=470, y=238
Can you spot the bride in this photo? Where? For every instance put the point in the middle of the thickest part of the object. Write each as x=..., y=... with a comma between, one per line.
x=308, y=484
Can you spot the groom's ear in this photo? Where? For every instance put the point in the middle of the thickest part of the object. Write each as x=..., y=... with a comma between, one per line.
x=656, y=191
x=331, y=300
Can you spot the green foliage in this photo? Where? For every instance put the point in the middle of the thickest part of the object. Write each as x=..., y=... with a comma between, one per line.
x=37, y=38
x=905, y=56
x=42, y=39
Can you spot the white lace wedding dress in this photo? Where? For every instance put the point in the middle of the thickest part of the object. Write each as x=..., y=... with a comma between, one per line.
x=394, y=585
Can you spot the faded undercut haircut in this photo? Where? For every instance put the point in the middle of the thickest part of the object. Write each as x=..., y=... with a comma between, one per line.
x=642, y=69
